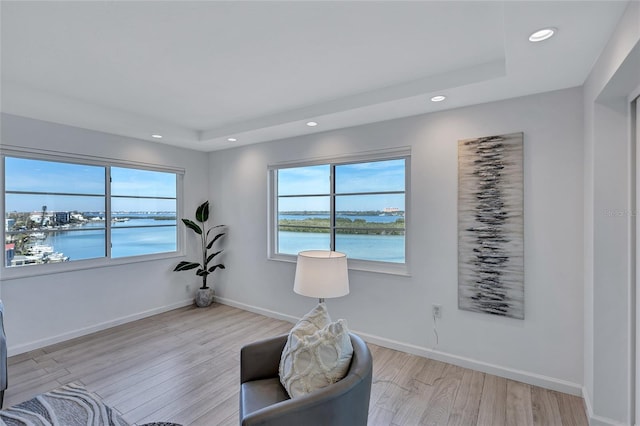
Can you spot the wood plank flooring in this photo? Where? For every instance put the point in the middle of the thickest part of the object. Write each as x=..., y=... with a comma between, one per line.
x=182, y=366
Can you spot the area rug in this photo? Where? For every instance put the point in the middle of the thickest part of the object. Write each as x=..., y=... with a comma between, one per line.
x=69, y=405
x=161, y=424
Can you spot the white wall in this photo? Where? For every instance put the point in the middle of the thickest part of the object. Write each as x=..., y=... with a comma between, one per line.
x=50, y=308
x=609, y=310
x=545, y=348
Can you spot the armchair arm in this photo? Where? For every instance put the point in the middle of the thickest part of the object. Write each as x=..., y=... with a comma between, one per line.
x=261, y=360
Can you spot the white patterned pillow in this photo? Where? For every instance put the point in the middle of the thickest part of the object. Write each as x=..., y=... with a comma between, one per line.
x=314, y=356
x=313, y=321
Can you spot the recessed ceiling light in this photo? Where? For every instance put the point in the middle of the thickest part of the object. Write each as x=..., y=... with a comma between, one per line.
x=232, y=139
x=438, y=98
x=156, y=136
x=542, y=34
x=312, y=123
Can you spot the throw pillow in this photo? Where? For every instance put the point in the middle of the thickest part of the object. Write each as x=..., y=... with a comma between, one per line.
x=315, y=355
x=313, y=321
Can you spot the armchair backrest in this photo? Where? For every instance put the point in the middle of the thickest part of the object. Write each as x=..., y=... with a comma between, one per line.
x=343, y=403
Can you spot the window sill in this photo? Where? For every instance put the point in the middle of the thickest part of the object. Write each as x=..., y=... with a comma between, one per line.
x=19, y=272
x=398, y=269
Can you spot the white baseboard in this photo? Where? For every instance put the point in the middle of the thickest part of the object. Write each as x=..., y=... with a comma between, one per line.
x=257, y=310
x=484, y=367
x=593, y=419
x=18, y=349
x=506, y=372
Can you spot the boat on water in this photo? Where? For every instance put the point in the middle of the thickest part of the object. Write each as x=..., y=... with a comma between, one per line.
x=39, y=250
x=20, y=260
x=38, y=254
x=39, y=258
x=55, y=257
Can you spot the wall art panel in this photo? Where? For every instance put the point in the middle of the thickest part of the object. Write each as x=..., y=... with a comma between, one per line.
x=490, y=225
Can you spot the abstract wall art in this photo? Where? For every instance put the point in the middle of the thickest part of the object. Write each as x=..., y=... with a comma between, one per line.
x=491, y=225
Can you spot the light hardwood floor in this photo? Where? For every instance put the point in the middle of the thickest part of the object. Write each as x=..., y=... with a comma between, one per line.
x=183, y=366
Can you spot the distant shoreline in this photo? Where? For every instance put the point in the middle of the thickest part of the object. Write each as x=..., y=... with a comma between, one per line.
x=342, y=213
x=343, y=226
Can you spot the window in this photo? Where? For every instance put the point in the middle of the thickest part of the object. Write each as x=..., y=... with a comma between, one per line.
x=356, y=207
x=143, y=212
x=58, y=211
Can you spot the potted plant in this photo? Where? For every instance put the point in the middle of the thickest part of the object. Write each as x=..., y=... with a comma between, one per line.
x=204, y=296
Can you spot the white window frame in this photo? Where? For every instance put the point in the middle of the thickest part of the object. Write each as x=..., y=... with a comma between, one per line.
x=9, y=273
x=354, y=264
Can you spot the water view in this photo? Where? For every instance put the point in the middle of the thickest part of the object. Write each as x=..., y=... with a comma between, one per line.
x=49, y=220
x=376, y=237
x=89, y=242
x=55, y=211
x=382, y=248
x=356, y=208
x=132, y=234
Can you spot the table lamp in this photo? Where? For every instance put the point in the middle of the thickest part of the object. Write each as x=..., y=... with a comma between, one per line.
x=322, y=274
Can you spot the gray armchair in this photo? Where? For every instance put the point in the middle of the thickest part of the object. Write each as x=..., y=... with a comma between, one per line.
x=263, y=400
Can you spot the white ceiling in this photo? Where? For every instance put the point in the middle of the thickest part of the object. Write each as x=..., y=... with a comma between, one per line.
x=201, y=72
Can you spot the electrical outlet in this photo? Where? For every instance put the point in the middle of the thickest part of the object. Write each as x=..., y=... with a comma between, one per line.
x=437, y=311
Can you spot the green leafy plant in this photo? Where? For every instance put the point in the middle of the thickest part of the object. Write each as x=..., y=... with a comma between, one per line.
x=202, y=215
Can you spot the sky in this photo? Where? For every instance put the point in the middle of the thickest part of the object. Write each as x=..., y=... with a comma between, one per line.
x=379, y=176
x=83, y=187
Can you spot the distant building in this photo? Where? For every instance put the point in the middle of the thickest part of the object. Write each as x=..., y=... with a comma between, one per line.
x=10, y=252
x=37, y=218
x=62, y=217
x=391, y=210
x=9, y=223
x=50, y=218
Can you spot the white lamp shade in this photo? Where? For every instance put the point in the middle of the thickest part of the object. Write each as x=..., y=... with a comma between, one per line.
x=321, y=274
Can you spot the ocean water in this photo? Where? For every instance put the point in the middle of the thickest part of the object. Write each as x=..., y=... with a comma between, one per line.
x=88, y=241
x=383, y=248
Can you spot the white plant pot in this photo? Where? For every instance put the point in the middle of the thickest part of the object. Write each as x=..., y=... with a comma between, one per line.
x=204, y=297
